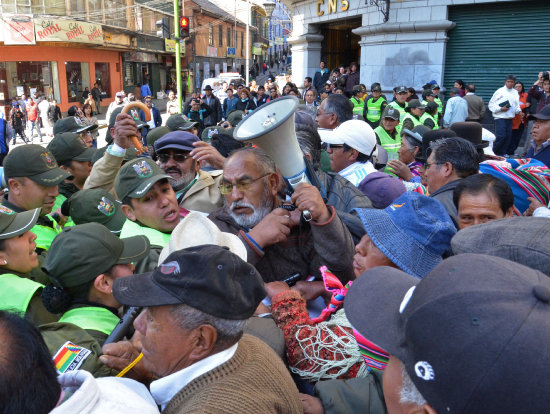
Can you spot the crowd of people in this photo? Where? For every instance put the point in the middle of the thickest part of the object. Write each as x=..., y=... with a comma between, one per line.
x=408, y=275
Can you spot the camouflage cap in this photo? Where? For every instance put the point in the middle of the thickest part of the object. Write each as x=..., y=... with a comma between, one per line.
x=71, y=124
x=136, y=177
x=69, y=146
x=99, y=206
x=35, y=162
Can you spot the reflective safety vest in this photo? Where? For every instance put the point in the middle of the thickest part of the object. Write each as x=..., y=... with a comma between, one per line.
x=92, y=318
x=358, y=106
x=374, y=109
x=390, y=144
x=425, y=116
x=437, y=99
x=156, y=238
x=401, y=110
x=46, y=234
x=415, y=120
x=16, y=292
x=60, y=199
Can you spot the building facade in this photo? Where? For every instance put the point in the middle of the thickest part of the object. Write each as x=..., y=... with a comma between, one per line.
x=412, y=42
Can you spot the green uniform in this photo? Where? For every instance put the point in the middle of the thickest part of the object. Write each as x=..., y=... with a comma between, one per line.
x=22, y=295
x=402, y=114
x=59, y=200
x=358, y=106
x=425, y=116
x=157, y=239
x=373, y=110
x=85, y=349
x=408, y=119
x=98, y=322
x=439, y=105
x=391, y=144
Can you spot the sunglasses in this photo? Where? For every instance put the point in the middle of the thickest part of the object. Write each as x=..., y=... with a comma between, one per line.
x=176, y=157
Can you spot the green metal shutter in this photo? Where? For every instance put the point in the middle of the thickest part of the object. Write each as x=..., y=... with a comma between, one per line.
x=493, y=40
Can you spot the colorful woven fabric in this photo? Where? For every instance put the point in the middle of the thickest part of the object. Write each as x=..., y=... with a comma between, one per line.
x=375, y=357
x=334, y=286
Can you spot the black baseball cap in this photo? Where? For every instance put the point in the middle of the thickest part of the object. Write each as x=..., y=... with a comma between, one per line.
x=543, y=114
x=69, y=146
x=473, y=334
x=180, y=140
x=208, y=277
x=80, y=253
x=34, y=162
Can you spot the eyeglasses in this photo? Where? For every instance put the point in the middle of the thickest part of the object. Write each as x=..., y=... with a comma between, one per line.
x=178, y=157
x=427, y=165
x=325, y=146
x=226, y=187
x=148, y=101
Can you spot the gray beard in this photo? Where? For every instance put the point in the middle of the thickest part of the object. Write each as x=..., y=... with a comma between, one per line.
x=181, y=183
x=250, y=220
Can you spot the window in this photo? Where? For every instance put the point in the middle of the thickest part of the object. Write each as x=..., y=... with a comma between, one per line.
x=221, y=35
x=78, y=77
x=211, y=35
x=242, y=43
x=103, y=78
x=28, y=77
x=229, y=38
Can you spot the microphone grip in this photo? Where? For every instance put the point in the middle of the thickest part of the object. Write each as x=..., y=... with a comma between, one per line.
x=125, y=323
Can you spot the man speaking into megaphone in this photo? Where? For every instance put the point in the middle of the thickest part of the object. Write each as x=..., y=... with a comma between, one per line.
x=279, y=242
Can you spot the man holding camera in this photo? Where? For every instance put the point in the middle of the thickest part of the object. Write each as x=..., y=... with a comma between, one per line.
x=198, y=112
x=504, y=105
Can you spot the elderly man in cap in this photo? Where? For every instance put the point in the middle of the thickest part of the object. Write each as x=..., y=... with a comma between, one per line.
x=197, y=303
x=456, y=109
x=279, y=242
x=540, y=149
x=118, y=102
x=195, y=189
x=33, y=176
x=350, y=147
x=468, y=361
x=450, y=160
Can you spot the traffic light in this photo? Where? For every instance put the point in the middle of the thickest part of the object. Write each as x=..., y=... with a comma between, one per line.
x=184, y=27
x=164, y=28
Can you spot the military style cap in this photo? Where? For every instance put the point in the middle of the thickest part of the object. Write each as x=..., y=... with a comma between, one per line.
x=391, y=112
x=180, y=122
x=71, y=124
x=234, y=117
x=96, y=205
x=68, y=146
x=137, y=177
x=35, y=162
x=13, y=224
x=157, y=133
x=80, y=253
x=400, y=89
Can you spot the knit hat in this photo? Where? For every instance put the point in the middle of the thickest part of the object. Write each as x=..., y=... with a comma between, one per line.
x=413, y=232
x=80, y=253
x=524, y=240
x=208, y=278
x=136, y=177
x=382, y=189
x=35, y=162
x=96, y=205
x=473, y=335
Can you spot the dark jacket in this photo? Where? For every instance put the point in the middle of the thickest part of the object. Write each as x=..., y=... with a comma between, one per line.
x=199, y=116
x=248, y=104
x=216, y=114
x=155, y=115
x=319, y=79
x=543, y=156
x=445, y=196
x=351, y=81
x=54, y=114
x=308, y=247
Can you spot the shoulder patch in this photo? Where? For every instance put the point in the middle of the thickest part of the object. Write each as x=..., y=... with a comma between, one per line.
x=70, y=357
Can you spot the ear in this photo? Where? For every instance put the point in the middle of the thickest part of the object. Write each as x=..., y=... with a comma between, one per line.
x=274, y=181
x=447, y=169
x=205, y=338
x=128, y=212
x=415, y=151
x=198, y=164
x=103, y=284
x=14, y=186
x=353, y=154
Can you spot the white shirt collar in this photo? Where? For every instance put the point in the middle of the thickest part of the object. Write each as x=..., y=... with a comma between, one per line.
x=356, y=172
x=164, y=389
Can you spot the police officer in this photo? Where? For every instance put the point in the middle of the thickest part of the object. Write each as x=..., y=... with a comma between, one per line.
x=437, y=99
x=430, y=118
x=18, y=291
x=414, y=110
x=400, y=101
x=387, y=134
x=74, y=124
x=374, y=106
x=357, y=101
x=32, y=176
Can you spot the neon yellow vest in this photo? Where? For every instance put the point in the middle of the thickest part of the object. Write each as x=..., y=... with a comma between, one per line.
x=16, y=292
x=156, y=238
x=60, y=199
x=425, y=116
x=358, y=106
x=45, y=234
x=401, y=110
x=93, y=318
x=373, y=109
x=439, y=104
x=415, y=121
x=390, y=144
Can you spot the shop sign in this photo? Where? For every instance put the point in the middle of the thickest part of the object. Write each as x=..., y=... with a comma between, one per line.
x=212, y=51
x=332, y=6
x=170, y=45
x=256, y=50
x=51, y=30
x=18, y=29
x=107, y=37
x=143, y=57
x=279, y=40
x=231, y=52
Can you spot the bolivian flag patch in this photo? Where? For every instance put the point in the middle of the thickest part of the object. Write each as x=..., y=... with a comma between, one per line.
x=70, y=357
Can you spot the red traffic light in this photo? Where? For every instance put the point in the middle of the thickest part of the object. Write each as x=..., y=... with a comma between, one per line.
x=184, y=22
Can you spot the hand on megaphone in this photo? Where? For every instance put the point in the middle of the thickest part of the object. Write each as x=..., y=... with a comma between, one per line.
x=273, y=228
x=307, y=197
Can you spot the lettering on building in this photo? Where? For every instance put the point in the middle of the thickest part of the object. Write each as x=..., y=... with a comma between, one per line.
x=74, y=30
x=332, y=6
x=49, y=29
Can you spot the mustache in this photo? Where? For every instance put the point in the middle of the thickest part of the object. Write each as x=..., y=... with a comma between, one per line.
x=236, y=204
x=173, y=169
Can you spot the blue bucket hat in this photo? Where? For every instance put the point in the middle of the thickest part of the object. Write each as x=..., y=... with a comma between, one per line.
x=413, y=232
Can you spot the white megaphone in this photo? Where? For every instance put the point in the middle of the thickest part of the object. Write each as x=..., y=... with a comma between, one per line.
x=271, y=127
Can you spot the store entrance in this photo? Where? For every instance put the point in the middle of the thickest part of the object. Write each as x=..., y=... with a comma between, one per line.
x=340, y=45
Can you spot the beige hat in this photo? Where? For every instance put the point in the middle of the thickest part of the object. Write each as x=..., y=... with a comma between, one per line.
x=195, y=230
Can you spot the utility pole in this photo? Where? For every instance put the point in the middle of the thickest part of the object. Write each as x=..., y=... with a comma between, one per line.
x=178, y=52
x=248, y=12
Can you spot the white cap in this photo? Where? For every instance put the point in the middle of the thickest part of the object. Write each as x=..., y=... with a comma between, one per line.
x=355, y=133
